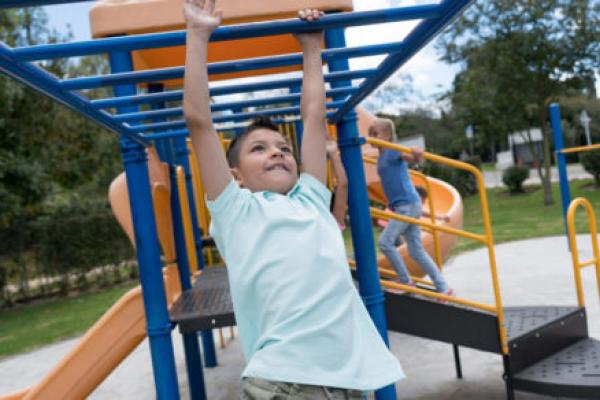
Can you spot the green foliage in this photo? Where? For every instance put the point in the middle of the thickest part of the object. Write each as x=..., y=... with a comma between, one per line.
x=591, y=163
x=517, y=56
x=514, y=176
x=463, y=181
x=77, y=236
x=48, y=152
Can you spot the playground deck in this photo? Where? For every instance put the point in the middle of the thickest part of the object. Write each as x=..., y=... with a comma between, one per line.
x=428, y=364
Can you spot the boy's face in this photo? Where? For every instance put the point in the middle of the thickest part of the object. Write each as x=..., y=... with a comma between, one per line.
x=266, y=162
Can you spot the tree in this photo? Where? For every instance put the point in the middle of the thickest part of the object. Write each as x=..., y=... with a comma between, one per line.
x=520, y=55
x=46, y=150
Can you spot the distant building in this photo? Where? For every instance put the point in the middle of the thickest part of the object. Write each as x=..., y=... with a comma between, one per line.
x=412, y=141
x=519, y=147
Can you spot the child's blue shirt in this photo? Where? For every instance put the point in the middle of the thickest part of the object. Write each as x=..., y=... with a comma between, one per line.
x=300, y=317
x=395, y=180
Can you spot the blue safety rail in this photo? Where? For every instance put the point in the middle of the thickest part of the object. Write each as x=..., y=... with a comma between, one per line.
x=20, y=64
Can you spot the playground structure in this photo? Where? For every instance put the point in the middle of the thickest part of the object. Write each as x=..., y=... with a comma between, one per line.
x=178, y=293
x=561, y=161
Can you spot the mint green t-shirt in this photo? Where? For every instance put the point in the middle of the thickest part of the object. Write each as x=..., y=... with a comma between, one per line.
x=300, y=317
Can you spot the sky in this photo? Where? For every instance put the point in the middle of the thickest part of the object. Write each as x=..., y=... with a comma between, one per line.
x=430, y=77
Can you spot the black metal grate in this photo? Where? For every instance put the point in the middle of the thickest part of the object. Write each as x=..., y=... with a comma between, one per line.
x=577, y=366
x=520, y=321
x=207, y=305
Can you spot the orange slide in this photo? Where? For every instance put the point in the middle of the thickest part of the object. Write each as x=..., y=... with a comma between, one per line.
x=446, y=200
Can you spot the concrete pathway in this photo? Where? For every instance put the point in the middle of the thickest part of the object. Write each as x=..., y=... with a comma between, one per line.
x=574, y=171
x=532, y=272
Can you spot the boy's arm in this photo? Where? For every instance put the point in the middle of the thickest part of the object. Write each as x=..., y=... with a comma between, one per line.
x=340, y=202
x=201, y=21
x=312, y=102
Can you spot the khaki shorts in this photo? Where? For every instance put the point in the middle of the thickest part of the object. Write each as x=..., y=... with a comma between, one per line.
x=261, y=389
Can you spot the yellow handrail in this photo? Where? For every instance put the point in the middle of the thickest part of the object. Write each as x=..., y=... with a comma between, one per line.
x=199, y=197
x=577, y=265
x=187, y=221
x=487, y=238
x=578, y=149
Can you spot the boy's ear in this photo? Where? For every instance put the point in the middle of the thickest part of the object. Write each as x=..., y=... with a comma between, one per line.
x=237, y=176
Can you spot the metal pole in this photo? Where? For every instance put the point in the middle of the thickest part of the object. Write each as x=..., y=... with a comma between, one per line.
x=190, y=341
x=182, y=154
x=360, y=217
x=158, y=325
x=561, y=163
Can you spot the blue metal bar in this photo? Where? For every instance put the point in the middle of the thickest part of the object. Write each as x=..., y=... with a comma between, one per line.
x=232, y=117
x=176, y=95
x=35, y=3
x=185, y=132
x=249, y=64
x=167, y=134
x=359, y=211
x=158, y=325
x=182, y=158
x=561, y=163
x=46, y=83
x=415, y=40
x=298, y=125
x=236, y=105
x=227, y=32
x=161, y=145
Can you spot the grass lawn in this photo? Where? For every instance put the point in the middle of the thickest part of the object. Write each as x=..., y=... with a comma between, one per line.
x=26, y=327
x=517, y=217
x=524, y=216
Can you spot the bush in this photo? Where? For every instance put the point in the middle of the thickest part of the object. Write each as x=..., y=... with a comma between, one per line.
x=591, y=163
x=514, y=176
x=76, y=238
x=463, y=181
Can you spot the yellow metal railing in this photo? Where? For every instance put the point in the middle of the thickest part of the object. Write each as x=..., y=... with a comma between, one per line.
x=487, y=238
x=578, y=149
x=187, y=221
x=578, y=265
x=430, y=204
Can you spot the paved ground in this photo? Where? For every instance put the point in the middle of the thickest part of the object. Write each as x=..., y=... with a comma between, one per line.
x=574, y=171
x=531, y=272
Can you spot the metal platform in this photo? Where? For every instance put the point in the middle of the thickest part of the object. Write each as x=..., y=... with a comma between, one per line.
x=573, y=371
x=207, y=305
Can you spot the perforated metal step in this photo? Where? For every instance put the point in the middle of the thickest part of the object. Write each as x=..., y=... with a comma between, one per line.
x=207, y=305
x=520, y=321
x=573, y=371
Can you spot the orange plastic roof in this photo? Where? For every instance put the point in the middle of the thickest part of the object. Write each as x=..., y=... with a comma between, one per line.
x=126, y=17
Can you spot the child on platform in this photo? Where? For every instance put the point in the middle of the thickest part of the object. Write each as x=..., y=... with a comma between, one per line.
x=403, y=199
x=304, y=329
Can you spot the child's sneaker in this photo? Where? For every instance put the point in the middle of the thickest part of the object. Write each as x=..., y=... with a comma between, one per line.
x=400, y=291
x=450, y=292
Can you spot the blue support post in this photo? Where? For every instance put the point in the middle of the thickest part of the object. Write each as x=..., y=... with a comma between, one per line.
x=182, y=154
x=561, y=162
x=160, y=144
x=190, y=340
x=298, y=124
x=158, y=325
x=358, y=208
